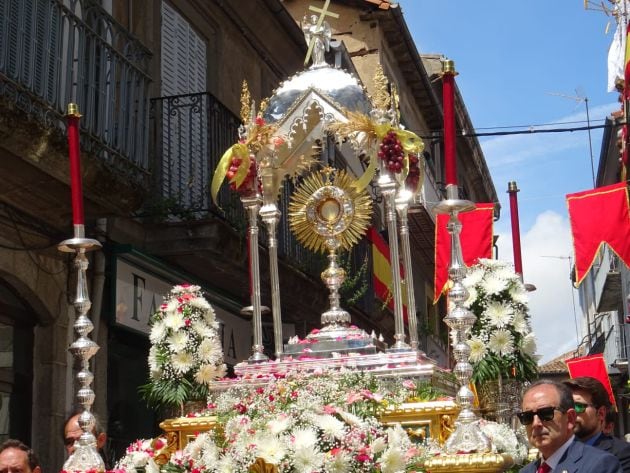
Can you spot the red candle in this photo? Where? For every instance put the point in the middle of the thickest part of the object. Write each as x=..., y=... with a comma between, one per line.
x=448, y=101
x=516, y=232
x=74, y=152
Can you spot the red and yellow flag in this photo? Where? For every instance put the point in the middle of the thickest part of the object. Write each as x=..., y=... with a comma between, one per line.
x=599, y=216
x=382, y=270
x=475, y=238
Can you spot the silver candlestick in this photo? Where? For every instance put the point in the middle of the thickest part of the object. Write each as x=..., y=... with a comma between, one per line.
x=85, y=456
x=402, y=207
x=252, y=203
x=270, y=214
x=467, y=437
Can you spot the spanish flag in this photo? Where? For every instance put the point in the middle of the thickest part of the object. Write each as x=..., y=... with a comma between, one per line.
x=475, y=239
x=382, y=270
x=599, y=216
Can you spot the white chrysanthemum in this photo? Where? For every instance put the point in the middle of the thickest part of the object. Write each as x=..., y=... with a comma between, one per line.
x=182, y=361
x=519, y=322
x=200, y=303
x=518, y=293
x=158, y=331
x=378, y=445
x=172, y=306
x=478, y=349
x=307, y=459
x=501, y=342
x=174, y=320
x=492, y=284
x=499, y=314
x=178, y=341
x=203, y=329
x=330, y=426
x=226, y=465
x=492, y=263
x=528, y=344
x=472, y=297
x=393, y=461
x=304, y=438
x=351, y=419
x=154, y=365
x=210, y=316
x=474, y=277
x=209, y=351
x=279, y=424
x=507, y=273
x=181, y=289
x=206, y=373
x=339, y=463
x=270, y=448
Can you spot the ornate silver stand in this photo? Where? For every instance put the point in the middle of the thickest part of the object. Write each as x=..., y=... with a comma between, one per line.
x=271, y=216
x=85, y=456
x=467, y=437
x=388, y=185
x=252, y=206
x=402, y=207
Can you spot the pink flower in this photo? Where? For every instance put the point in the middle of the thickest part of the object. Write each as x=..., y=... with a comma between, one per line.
x=362, y=458
x=259, y=121
x=353, y=397
x=409, y=384
x=328, y=409
x=278, y=141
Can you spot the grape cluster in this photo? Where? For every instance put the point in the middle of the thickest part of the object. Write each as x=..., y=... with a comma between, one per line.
x=390, y=150
x=247, y=186
x=413, y=178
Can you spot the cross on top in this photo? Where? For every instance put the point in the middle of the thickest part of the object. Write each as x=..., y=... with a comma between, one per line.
x=317, y=27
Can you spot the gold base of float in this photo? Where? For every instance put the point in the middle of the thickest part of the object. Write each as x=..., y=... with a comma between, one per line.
x=469, y=462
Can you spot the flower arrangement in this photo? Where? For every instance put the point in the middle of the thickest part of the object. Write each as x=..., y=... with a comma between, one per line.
x=302, y=424
x=140, y=455
x=185, y=354
x=502, y=343
x=505, y=440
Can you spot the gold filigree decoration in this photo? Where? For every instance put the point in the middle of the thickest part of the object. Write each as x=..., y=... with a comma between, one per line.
x=246, y=100
x=328, y=200
x=381, y=99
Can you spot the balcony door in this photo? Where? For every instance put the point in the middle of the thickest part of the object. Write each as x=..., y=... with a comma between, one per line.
x=184, y=163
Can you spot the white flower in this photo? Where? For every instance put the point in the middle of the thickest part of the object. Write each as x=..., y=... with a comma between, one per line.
x=474, y=277
x=501, y=342
x=378, y=445
x=203, y=329
x=172, y=306
x=209, y=350
x=153, y=361
x=519, y=322
x=270, y=448
x=279, y=424
x=206, y=374
x=393, y=461
x=339, y=463
x=226, y=465
x=528, y=344
x=158, y=331
x=174, y=320
x=331, y=427
x=499, y=314
x=210, y=316
x=304, y=438
x=180, y=289
x=472, y=296
x=518, y=293
x=178, y=341
x=478, y=349
x=200, y=303
x=307, y=459
x=182, y=361
x=493, y=284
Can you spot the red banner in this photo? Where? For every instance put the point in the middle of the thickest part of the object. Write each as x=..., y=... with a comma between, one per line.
x=382, y=270
x=599, y=216
x=593, y=366
x=475, y=238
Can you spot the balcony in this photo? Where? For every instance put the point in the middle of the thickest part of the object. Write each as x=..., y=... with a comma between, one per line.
x=607, y=281
x=53, y=53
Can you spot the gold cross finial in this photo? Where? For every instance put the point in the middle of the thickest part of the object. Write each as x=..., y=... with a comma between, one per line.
x=323, y=12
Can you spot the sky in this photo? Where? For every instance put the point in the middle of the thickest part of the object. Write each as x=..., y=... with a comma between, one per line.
x=529, y=63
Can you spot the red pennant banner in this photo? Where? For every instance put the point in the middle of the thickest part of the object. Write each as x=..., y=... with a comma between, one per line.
x=475, y=238
x=593, y=366
x=599, y=216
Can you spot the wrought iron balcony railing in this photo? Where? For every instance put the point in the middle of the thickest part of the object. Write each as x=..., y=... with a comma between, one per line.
x=53, y=52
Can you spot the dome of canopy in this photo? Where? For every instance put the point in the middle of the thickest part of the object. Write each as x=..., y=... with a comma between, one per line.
x=339, y=86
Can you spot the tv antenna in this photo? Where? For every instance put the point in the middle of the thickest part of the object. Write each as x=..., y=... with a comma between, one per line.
x=580, y=97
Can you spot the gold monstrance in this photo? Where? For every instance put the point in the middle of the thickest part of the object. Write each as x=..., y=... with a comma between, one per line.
x=327, y=213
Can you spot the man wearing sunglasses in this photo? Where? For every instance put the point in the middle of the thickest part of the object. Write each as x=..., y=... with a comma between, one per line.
x=549, y=417
x=592, y=404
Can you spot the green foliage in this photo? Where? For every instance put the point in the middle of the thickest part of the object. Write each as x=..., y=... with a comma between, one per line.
x=356, y=283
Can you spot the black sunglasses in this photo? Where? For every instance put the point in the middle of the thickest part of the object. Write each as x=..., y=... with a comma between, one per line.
x=545, y=414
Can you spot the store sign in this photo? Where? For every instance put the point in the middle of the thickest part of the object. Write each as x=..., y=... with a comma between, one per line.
x=139, y=293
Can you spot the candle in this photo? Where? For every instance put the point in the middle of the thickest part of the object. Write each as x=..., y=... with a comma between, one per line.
x=516, y=232
x=448, y=103
x=74, y=152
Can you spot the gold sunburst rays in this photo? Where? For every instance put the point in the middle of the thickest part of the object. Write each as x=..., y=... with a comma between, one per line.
x=326, y=208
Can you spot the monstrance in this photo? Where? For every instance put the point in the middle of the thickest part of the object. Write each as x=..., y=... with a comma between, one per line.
x=327, y=213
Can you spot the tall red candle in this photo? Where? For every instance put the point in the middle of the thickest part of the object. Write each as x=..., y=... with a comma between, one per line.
x=516, y=231
x=74, y=151
x=448, y=103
